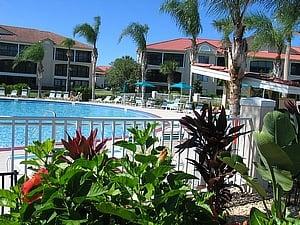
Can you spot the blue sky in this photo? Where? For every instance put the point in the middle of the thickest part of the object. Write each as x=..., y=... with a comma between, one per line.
x=60, y=16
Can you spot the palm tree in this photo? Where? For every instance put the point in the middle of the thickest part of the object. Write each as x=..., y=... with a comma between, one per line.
x=235, y=10
x=168, y=69
x=267, y=33
x=34, y=53
x=138, y=33
x=91, y=34
x=187, y=17
x=68, y=43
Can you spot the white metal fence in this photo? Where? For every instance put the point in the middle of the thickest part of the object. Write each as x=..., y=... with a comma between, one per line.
x=18, y=132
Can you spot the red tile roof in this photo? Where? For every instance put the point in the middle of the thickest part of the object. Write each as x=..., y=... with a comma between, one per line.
x=102, y=70
x=181, y=44
x=29, y=35
x=295, y=54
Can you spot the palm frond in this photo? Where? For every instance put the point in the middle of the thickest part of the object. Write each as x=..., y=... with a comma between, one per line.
x=85, y=30
x=97, y=24
x=138, y=33
x=34, y=53
x=224, y=26
x=168, y=67
x=185, y=14
x=68, y=43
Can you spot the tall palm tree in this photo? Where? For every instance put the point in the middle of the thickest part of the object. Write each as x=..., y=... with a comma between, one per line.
x=68, y=43
x=168, y=69
x=267, y=33
x=138, y=33
x=235, y=10
x=34, y=53
x=91, y=34
x=187, y=17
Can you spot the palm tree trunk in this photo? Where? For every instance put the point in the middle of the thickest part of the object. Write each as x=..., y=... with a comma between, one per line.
x=237, y=69
x=39, y=79
x=143, y=71
x=68, y=72
x=277, y=67
x=287, y=61
x=94, y=65
x=193, y=57
x=169, y=85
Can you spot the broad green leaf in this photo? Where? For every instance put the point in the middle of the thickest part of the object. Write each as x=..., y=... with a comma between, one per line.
x=31, y=162
x=255, y=185
x=125, y=180
x=150, y=189
x=283, y=177
x=127, y=145
x=279, y=126
x=48, y=146
x=146, y=158
x=258, y=218
x=293, y=151
x=179, y=175
x=272, y=152
x=7, y=198
x=235, y=162
x=73, y=222
x=161, y=170
x=96, y=190
x=110, y=208
x=113, y=191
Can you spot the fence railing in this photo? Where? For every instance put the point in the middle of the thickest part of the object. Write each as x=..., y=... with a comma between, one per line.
x=18, y=132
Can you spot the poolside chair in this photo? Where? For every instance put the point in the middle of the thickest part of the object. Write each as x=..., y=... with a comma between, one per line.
x=58, y=95
x=24, y=93
x=14, y=93
x=52, y=94
x=66, y=96
x=174, y=105
x=118, y=99
x=107, y=99
x=2, y=91
x=138, y=102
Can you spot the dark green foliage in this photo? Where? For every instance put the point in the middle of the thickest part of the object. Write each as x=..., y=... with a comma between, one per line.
x=141, y=188
x=85, y=91
x=210, y=135
x=197, y=86
x=18, y=87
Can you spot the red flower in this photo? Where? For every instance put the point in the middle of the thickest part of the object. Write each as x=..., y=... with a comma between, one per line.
x=32, y=183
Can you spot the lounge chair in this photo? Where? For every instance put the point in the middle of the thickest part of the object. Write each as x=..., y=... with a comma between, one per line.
x=107, y=99
x=139, y=102
x=24, y=93
x=66, y=96
x=52, y=94
x=2, y=91
x=174, y=105
x=118, y=99
x=14, y=93
x=58, y=95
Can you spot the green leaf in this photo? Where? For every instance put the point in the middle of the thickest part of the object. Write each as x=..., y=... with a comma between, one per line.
x=258, y=218
x=146, y=158
x=234, y=161
x=96, y=190
x=279, y=126
x=161, y=170
x=73, y=222
x=125, y=180
x=293, y=151
x=32, y=162
x=273, y=154
x=283, y=177
x=150, y=189
x=8, y=198
x=110, y=208
x=127, y=145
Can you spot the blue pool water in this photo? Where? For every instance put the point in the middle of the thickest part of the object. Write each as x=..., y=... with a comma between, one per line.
x=46, y=108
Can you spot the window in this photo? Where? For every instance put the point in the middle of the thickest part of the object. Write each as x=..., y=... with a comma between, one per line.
x=76, y=70
x=61, y=54
x=220, y=61
x=202, y=78
x=205, y=48
x=261, y=66
x=203, y=59
x=174, y=57
x=23, y=67
x=8, y=49
x=81, y=83
x=154, y=58
x=59, y=82
x=22, y=47
x=83, y=56
x=295, y=69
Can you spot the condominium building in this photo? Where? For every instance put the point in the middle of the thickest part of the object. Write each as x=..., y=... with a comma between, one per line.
x=14, y=39
x=211, y=57
x=101, y=75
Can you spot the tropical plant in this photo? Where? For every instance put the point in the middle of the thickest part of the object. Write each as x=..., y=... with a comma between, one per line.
x=68, y=43
x=123, y=70
x=279, y=164
x=235, y=10
x=140, y=188
x=91, y=34
x=34, y=53
x=168, y=69
x=138, y=33
x=210, y=135
x=197, y=86
x=187, y=17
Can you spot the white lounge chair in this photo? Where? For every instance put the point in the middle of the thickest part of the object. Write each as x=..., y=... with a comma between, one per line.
x=14, y=93
x=2, y=91
x=174, y=105
x=118, y=99
x=66, y=96
x=52, y=94
x=107, y=99
x=58, y=95
x=24, y=93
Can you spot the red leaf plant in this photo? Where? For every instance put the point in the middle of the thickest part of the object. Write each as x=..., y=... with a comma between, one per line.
x=31, y=184
x=82, y=146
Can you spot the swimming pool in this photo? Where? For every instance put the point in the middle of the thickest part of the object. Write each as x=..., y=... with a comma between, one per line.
x=24, y=132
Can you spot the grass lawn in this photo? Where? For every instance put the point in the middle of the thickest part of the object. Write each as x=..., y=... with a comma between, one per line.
x=103, y=92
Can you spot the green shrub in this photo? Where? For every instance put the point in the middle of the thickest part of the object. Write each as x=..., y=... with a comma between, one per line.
x=18, y=87
x=85, y=91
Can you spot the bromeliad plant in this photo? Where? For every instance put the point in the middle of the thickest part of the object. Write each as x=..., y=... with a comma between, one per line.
x=278, y=164
x=211, y=135
x=141, y=188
